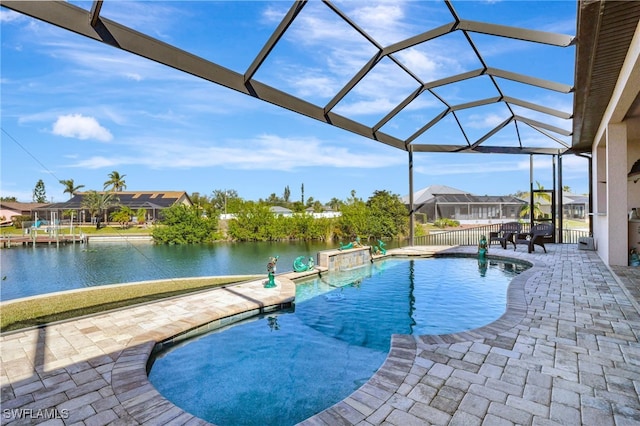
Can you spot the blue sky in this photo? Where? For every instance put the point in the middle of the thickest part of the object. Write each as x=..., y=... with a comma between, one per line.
x=76, y=109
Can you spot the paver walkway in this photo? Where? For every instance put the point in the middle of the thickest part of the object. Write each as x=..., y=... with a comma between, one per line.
x=92, y=371
x=566, y=352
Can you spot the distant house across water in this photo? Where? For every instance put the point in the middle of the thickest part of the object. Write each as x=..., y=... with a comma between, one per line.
x=441, y=201
x=574, y=206
x=151, y=201
x=327, y=212
x=11, y=209
x=281, y=211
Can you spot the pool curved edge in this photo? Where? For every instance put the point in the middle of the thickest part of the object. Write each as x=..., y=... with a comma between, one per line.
x=397, y=375
x=410, y=357
x=137, y=396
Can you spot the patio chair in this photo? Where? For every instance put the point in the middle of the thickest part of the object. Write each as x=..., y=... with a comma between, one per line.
x=505, y=234
x=535, y=237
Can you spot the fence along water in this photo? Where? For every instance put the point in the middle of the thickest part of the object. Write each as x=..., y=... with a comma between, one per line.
x=471, y=236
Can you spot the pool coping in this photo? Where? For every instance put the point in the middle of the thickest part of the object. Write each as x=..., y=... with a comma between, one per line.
x=113, y=350
x=400, y=361
x=129, y=376
x=132, y=387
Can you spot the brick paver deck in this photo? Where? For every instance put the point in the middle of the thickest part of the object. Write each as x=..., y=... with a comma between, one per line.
x=566, y=352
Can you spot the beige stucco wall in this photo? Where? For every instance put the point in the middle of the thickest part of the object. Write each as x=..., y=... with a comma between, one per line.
x=615, y=149
x=617, y=218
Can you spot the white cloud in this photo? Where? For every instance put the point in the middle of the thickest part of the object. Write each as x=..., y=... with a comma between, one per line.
x=9, y=16
x=273, y=15
x=421, y=63
x=80, y=127
x=88, y=59
x=381, y=20
x=383, y=14
x=571, y=164
x=378, y=106
x=315, y=85
x=265, y=152
x=133, y=76
x=98, y=162
x=484, y=121
x=444, y=169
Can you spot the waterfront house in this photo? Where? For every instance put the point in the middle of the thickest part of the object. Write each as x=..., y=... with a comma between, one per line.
x=441, y=201
x=151, y=201
x=11, y=209
x=281, y=211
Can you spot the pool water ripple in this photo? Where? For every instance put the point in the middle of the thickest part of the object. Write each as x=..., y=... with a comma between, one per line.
x=282, y=368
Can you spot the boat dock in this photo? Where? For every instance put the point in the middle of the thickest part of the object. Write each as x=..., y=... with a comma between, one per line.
x=25, y=240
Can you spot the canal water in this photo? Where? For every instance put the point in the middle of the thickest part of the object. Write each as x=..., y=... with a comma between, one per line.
x=28, y=271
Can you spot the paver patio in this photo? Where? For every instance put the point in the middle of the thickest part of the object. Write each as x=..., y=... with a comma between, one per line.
x=566, y=352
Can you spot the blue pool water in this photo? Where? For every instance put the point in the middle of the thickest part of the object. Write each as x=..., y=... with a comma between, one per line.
x=281, y=368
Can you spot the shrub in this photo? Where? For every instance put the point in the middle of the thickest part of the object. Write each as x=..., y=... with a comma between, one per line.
x=418, y=230
x=185, y=225
x=446, y=223
x=18, y=220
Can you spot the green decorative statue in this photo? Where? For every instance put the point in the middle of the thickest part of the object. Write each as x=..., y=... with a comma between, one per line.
x=355, y=243
x=483, y=247
x=345, y=246
x=271, y=272
x=300, y=266
x=482, y=265
x=379, y=249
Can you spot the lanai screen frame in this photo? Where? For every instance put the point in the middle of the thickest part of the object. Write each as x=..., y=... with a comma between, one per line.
x=91, y=24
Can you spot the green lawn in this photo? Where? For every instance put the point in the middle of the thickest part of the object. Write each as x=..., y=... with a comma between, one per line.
x=575, y=224
x=57, y=307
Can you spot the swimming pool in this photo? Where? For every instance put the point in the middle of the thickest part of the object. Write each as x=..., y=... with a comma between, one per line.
x=282, y=368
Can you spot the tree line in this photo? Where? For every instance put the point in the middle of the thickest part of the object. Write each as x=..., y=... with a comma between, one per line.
x=383, y=215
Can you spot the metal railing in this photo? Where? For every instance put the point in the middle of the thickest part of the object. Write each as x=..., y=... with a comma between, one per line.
x=571, y=236
x=471, y=236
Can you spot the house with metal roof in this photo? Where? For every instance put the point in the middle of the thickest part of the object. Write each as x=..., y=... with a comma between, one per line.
x=441, y=201
x=281, y=211
x=151, y=201
x=575, y=206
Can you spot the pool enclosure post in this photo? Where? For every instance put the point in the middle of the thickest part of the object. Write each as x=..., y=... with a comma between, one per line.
x=531, y=189
x=589, y=214
x=411, y=212
x=560, y=203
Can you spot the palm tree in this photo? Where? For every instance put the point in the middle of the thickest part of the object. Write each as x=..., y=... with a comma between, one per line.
x=335, y=203
x=98, y=202
x=116, y=182
x=70, y=187
x=537, y=198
